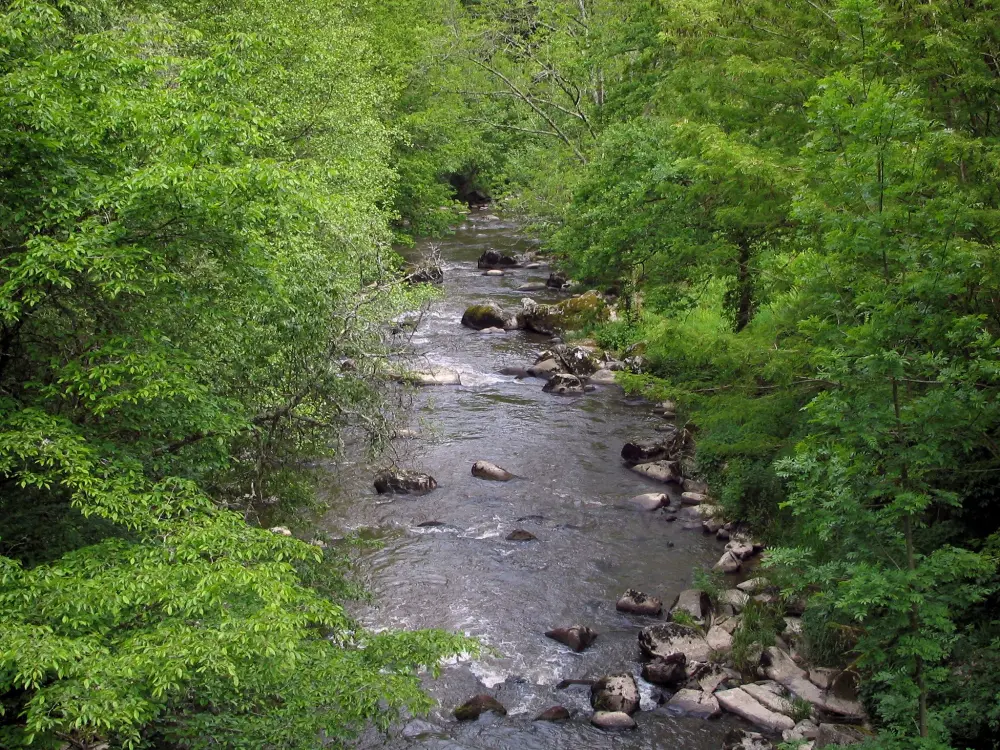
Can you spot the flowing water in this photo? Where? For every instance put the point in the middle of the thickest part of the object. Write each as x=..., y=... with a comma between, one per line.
x=569, y=491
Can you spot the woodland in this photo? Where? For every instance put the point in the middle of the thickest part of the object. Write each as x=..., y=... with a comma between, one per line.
x=796, y=204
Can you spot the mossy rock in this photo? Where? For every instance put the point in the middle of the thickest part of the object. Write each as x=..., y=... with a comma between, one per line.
x=479, y=317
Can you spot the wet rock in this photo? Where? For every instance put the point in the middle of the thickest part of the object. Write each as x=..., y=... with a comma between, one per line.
x=571, y=314
x=711, y=525
x=473, y=708
x=532, y=266
x=532, y=286
x=643, y=451
x=693, y=498
x=728, y=563
x=570, y=683
x=494, y=259
x=280, y=530
x=403, y=482
x=577, y=637
x=693, y=603
x=839, y=735
x=492, y=331
x=637, y=603
x=660, y=471
x=665, y=639
x=564, y=384
x=546, y=368
x=669, y=671
x=694, y=703
x=555, y=713
x=430, y=524
x=520, y=535
x=722, y=534
x=742, y=739
x=612, y=720
x=603, y=377
x=740, y=549
x=719, y=640
x=492, y=472
x=420, y=728
x=650, y=501
x=617, y=692
x=432, y=376
x=744, y=705
x=488, y=315
x=493, y=272
x=556, y=280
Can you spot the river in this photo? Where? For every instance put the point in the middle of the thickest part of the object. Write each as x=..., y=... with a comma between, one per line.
x=570, y=491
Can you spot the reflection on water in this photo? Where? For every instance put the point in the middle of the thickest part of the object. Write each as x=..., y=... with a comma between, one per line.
x=458, y=572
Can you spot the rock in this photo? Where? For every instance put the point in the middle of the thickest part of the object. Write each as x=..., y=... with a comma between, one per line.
x=418, y=728
x=722, y=534
x=694, y=703
x=577, y=637
x=432, y=376
x=473, y=708
x=603, y=377
x=403, y=482
x=556, y=281
x=563, y=384
x=753, y=585
x=711, y=676
x=555, y=713
x=429, y=274
x=822, y=678
x=780, y=667
x=793, y=628
x=545, y=368
x=493, y=259
x=804, y=730
x=660, y=471
x=666, y=639
x=617, y=692
x=612, y=720
x=492, y=472
x=693, y=602
x=719, y=640
x=741, y=739
x=637, y=603
x=430, y=524
x=492, y=331
x=574, y=313
x=711, y=525
x=520, y=535
x=771, y=695
x=729, y=624
x=728, y=563
x=693, y=498
x=532, y=286
x=669, y=671
x=643, y=451
x=839, y=735
x=280, y=530
x=741, y=550
x=667, y=409
x=650, y=500
x=493, y=272
x=489, y=315
x=532, y=266
x=734, y=598
x=744, y=705
x=695, y=485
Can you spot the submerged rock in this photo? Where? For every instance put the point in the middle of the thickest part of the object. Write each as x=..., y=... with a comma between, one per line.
x=520, y=535
x=612, y=720
x=492, y=472
x=637, y=603
x=555, y=713
x=403, y=482
x=617, y=692
x=577, y=637
x=473, y=708
x=650, y=501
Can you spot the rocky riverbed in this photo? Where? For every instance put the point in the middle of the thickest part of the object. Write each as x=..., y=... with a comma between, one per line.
x=532, y=505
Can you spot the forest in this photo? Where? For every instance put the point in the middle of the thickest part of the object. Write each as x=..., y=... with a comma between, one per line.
x=796, y=204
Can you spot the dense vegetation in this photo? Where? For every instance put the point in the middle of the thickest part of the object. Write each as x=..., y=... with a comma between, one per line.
x=797, y=202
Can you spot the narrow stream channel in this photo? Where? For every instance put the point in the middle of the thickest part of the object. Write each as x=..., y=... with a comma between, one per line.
x=570, y=493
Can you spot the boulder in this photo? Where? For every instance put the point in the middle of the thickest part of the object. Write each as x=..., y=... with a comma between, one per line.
x=643, y=451
x=637, y=603
x=520, y=535
x=753, y=585
x=694, y=703
x=492, y=472
x=494, y=259
x=532, y=286
x=545, y=368
x=564, y=384
x=728, y=563
x=711, y=525
x=805, y=730
x=693, y=498
x=492, y=331
x=668, y=672
x=660, y=471
x=741, y=739
x=403, y=482
x=473, y=708
x=744, y=705
x=719, y=639
x=741, y=549
x=722, y=534
x=650, y=500
x=603, y=377
x=612, y=720
x=488, y=315
x=693, y=602
x=577, y=637
x=556, y=281
x=839, y=735
x=695, y=485
x=555, y=713
x=572, y=314
x=665, y=639
x=780, y=667
x=617, y=692
x=772, y=696
x=734, y=598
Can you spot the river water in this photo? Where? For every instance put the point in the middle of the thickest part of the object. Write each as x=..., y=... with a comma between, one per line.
x=570, y=493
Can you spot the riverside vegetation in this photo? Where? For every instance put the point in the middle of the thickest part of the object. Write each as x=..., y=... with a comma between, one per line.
x=795, y=204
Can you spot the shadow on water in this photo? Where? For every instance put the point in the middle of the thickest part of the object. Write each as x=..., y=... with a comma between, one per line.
x=458, y=572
